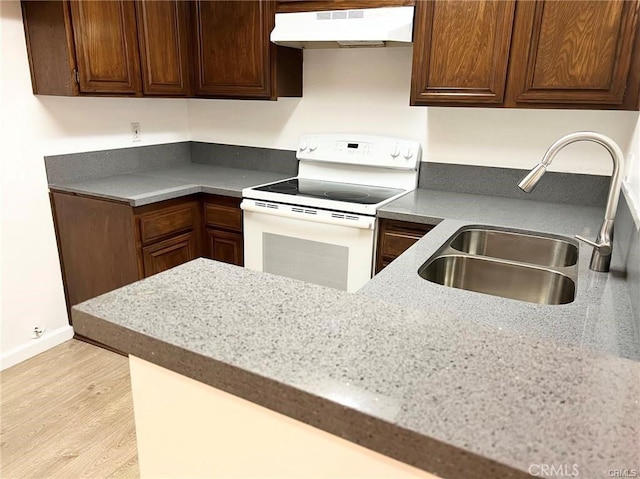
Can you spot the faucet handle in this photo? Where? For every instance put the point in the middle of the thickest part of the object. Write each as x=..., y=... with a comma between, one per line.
x=602, y=248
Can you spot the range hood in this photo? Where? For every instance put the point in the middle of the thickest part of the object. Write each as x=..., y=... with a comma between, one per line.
x=368, y=27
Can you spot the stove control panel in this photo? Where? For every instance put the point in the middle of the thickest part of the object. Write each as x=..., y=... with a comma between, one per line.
x=365, y=150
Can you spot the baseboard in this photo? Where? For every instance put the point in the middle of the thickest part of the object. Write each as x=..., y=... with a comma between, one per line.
x=35, y=346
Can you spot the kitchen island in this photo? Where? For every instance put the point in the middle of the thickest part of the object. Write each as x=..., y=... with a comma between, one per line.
x=448, y=396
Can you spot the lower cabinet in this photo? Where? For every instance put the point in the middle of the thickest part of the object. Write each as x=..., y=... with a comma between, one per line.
x=96, y=245
x=223, y=236
x=169, y=234
x=395, y=237
x=224, y=246
x=104, y=245
x=168, y=253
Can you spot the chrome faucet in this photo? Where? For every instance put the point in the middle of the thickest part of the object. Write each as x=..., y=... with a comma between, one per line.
x=602, y=246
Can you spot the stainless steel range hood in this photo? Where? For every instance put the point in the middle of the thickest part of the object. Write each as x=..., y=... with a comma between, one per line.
x=369, y=27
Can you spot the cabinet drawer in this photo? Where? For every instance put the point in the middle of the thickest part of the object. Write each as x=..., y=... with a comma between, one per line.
x=166, y=222
x=223, y=216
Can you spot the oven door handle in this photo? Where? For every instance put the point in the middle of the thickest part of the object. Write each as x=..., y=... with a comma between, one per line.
x=363, y=222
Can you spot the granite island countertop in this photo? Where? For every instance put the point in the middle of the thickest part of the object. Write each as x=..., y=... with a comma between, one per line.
x=600, y=318
x=158, y=184
x=453, y=397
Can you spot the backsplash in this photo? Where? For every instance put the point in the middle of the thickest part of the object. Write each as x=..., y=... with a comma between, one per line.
x=245, y=157
x=626, y=253
x=572, y=188
x=99, y=164
x=68, y=168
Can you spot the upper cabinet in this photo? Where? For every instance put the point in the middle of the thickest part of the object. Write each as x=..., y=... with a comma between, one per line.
x=487, y=53
x=461, y=51
x=551, y=54
x=216, y=49
x=163, y=38
x=573, y=51
x=106, y=47
x=233, y=55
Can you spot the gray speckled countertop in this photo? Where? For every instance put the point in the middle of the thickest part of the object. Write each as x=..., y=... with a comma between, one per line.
x=453, y=397
x=151, y=186
x=454, y=382
x=600, y=318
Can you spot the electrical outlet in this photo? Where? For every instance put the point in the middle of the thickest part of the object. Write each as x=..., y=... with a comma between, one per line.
x=37, y=332
x=135, y=132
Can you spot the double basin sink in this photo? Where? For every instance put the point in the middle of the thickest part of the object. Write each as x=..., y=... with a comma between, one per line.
x=514, y=264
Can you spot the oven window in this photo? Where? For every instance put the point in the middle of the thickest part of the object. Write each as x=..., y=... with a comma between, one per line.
x=312, y=261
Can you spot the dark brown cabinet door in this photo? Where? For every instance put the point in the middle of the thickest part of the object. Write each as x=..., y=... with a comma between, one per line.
x=461, y=51
x=166, y=254
x=106, y=46
x=572, y=52
x=223, y=236
x=164, y=47
x=225, y=246
x=395, y=237
x=233, y=55
x=96, y=244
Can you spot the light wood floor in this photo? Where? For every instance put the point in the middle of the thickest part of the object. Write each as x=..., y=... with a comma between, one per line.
x=67, y=413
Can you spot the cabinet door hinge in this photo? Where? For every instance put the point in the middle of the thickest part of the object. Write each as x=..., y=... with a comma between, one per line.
x=76, y=76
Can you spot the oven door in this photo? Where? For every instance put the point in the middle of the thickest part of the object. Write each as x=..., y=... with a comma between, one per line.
x=322, y=247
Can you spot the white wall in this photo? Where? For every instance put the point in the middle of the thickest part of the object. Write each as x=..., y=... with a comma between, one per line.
x=359, y=90
x=632, y=182
x=518, y=138
x=354, y=90
x=367, y=90
x=33, y=127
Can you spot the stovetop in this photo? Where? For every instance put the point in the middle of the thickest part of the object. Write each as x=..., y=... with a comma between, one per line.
x=345, y=172
x=330, y=195
x=331, y=190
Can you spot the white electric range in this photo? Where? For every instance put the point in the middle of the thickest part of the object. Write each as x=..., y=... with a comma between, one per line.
x=320, y=227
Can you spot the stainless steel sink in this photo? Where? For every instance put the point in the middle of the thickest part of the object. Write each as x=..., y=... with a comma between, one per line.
x=515, y=246
x=512, y=264
x=506, y=279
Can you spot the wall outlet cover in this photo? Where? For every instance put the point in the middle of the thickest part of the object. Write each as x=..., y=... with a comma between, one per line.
x=135, y=132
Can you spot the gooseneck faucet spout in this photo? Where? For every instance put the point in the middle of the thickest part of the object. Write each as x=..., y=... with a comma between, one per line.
x=602, y=246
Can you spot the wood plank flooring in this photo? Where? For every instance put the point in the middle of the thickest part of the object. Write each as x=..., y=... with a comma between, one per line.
x=68, y=413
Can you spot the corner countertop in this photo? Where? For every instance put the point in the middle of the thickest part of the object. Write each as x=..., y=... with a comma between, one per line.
x=453, y=397
x=600, y=318
x=150, y=186
x=453, y=382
